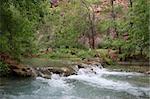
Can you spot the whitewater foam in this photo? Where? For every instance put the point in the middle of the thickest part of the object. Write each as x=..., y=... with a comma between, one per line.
x=94, y=76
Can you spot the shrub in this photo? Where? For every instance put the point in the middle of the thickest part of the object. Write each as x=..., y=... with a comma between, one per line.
x=4, y=70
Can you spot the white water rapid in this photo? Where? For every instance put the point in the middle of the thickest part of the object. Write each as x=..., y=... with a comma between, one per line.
x=100, y=78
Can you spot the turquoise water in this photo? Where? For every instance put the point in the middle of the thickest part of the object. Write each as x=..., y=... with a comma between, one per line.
x=101, y=84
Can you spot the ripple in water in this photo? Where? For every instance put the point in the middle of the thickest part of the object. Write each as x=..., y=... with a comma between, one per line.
x=95, y=78
x=87, y=84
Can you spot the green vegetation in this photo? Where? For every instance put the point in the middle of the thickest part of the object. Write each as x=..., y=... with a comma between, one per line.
x=3, y=69
x=74, y=29
x=70, y=53
x=19, y=21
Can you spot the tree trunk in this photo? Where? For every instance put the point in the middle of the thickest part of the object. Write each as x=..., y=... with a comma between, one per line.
x=93, y=31
x=131, y=5
x=92, y=25
x=113, y=16
x=112, y=11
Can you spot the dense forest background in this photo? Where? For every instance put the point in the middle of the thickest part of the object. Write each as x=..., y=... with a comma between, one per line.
x=72, y=27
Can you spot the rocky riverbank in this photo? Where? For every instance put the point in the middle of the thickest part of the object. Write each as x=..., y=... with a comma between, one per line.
x=46, y=71
x=37, y=67
x=45, y=68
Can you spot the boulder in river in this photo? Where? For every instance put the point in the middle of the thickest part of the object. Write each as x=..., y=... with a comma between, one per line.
x=17, y=68
x=64, y=71
x=24, y=71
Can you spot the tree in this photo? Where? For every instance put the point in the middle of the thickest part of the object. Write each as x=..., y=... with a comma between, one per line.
x=139, y=32
x=75, y=19
x=92, y=29
x=18, y=23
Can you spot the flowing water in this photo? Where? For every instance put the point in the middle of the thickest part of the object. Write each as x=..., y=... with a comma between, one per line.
x=89, y=83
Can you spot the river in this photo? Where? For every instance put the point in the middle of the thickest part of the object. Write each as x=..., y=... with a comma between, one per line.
x=96, y=84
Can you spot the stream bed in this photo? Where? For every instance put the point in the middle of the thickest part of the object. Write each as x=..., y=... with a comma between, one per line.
x=86, y=84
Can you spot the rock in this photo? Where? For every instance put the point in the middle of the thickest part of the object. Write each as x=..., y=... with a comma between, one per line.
x=88, y=64
x=46, y=72
x=17, y=68
x=148, y=72
x=67, y=71
x=45, y=75
x=80, y=66
x=24, y=71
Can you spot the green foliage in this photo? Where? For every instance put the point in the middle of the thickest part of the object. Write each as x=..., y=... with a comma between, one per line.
x=137, y=28
x=117, y=43
x=135, y=25
x=19, y=20
x=104, y=25
x=28, y=25
x=3, y=69
x=71, y=24
x=70, y=53
x=103, y=54
x=59, y=53
x=86, y=54
x=106, y=44
x=139, y=32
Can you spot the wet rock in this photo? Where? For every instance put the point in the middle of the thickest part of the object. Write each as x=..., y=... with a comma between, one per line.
x=89, y=64
x=17, y=68
x=67, y=71
x=44, y=75
x=80, y=66
x=46, y=72
x=148, y=72
x=24, y=71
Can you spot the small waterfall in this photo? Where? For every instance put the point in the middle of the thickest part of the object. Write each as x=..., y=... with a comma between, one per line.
x=96, y=76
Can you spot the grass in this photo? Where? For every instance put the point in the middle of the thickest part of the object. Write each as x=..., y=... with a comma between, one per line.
x=74, y=54
x=4, y=70
x=43, y=62
x=60, y=57
x=69, y=53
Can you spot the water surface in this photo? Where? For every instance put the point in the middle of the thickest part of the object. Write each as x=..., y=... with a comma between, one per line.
x=100, y=84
